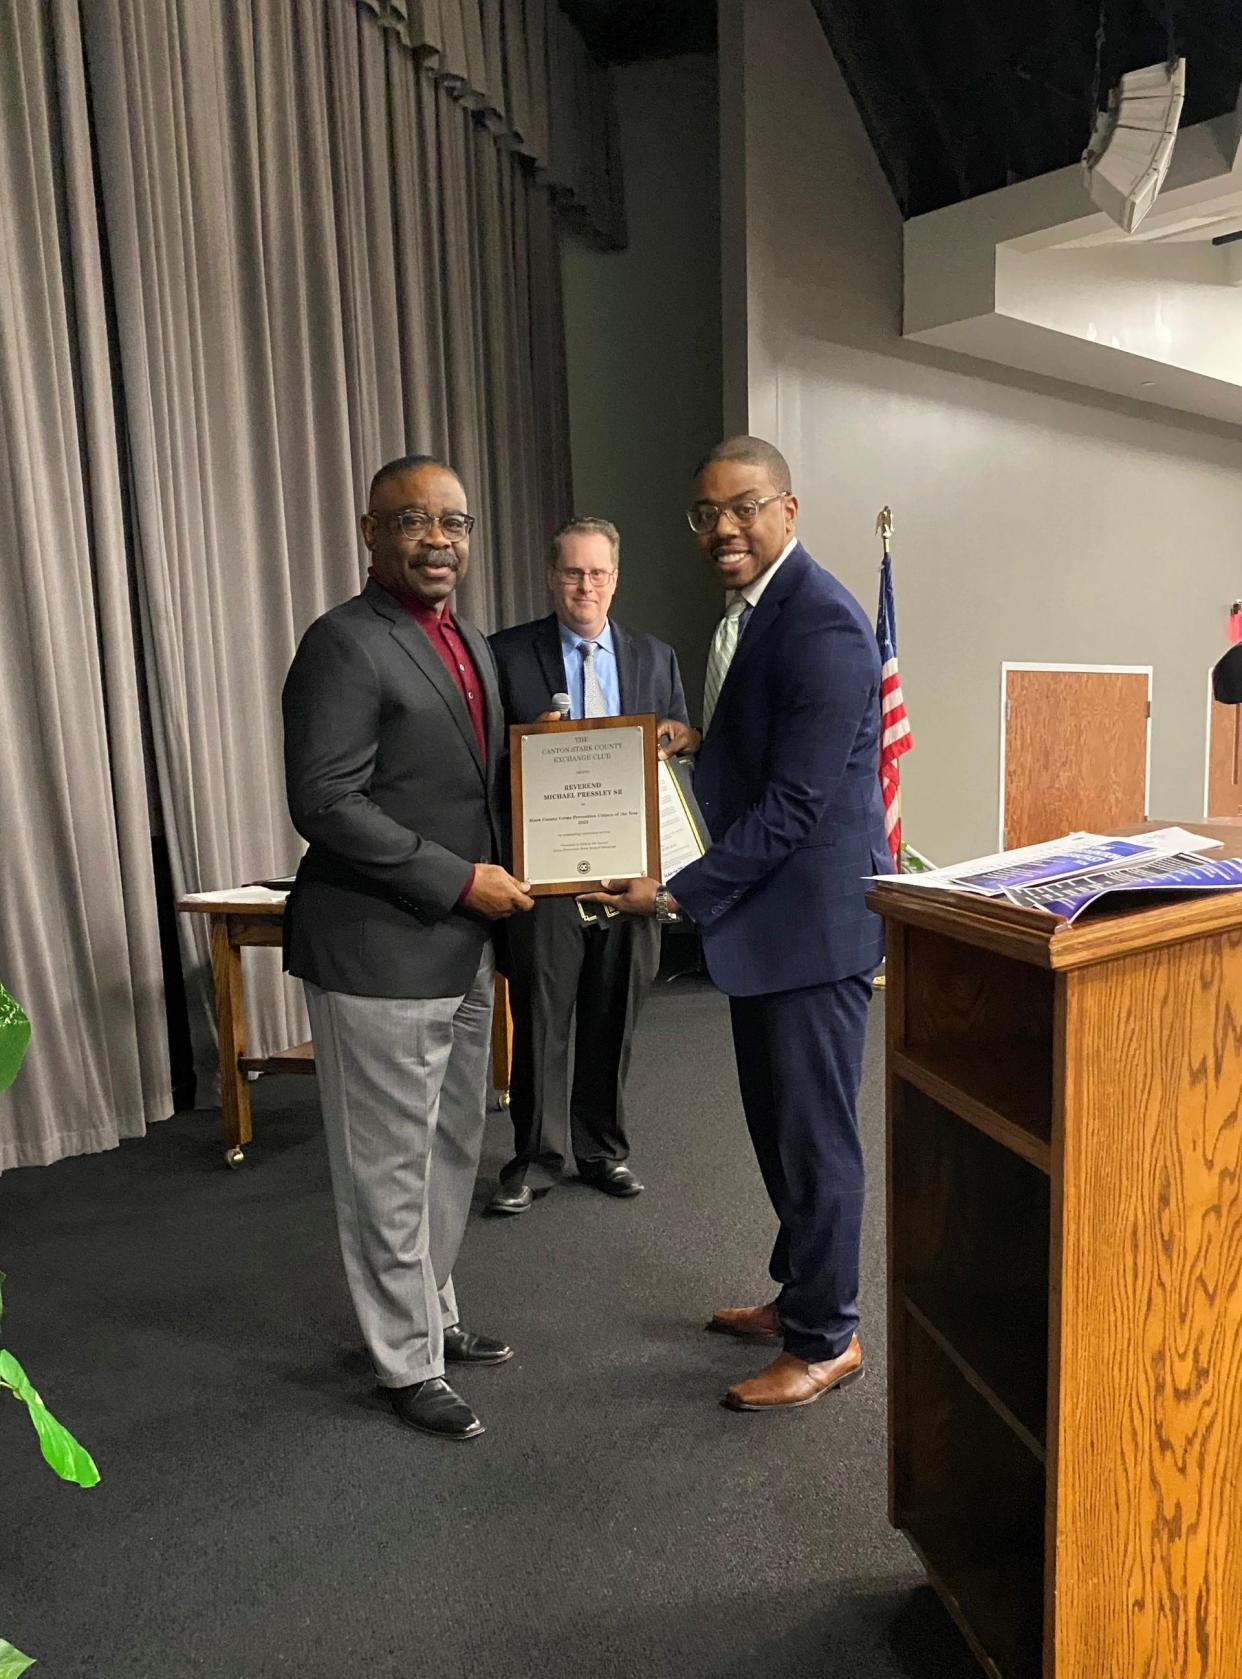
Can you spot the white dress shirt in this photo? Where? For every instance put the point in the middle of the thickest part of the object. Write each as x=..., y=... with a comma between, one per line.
x=754, y=589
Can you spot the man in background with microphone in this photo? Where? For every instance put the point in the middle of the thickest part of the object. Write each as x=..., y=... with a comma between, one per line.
x=563, y=959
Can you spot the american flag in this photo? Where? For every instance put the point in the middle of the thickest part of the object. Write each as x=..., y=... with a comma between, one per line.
x=894, y=725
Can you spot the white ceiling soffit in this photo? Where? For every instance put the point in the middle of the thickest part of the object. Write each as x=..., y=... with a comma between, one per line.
x=1034, y=277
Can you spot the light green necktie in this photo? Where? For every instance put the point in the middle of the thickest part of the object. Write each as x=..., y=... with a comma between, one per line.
x=720, y=657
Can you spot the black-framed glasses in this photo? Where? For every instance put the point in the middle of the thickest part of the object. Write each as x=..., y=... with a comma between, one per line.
x=414, y=522
x=704, y=516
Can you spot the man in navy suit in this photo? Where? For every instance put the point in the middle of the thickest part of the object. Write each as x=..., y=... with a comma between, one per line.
x=560, y=965
x=787, y=779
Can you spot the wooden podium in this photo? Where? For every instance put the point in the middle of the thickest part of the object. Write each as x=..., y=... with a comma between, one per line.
x=1065, y=1279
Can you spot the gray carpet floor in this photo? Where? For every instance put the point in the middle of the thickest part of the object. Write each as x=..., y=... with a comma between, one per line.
x=262, y=1513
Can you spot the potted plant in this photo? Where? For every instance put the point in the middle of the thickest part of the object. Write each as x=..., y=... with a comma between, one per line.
x=71, y=1461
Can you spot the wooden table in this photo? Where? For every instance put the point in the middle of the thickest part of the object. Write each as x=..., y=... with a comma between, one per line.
x=254, y=915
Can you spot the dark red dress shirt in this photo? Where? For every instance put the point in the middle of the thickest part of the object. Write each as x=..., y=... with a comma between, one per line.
x=442, y=632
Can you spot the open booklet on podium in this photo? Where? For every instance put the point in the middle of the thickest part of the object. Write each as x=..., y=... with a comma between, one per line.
x=592, y=801
x=1081, y=871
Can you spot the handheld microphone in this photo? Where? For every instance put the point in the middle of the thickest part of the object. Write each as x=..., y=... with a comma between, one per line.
x=563, y=704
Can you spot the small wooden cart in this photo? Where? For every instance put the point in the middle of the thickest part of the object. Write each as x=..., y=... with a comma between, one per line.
x=254, y=915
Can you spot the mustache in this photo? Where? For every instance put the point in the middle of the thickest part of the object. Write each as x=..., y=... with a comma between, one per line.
x=436, y=557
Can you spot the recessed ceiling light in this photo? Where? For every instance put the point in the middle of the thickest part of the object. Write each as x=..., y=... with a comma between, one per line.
x=1146, y=384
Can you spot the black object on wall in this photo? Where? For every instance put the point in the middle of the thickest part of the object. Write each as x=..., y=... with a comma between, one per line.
x=1227, y=676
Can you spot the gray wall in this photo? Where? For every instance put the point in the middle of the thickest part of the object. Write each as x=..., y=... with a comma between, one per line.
x=644, y=355
x=1033, y=522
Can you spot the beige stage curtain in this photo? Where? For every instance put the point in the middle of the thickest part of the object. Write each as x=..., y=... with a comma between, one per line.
x=325, y=250
x=79, y=946
x=328, y=236
x=523, y=66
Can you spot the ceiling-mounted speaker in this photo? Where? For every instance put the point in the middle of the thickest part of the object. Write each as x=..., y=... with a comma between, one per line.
x=1131, y=145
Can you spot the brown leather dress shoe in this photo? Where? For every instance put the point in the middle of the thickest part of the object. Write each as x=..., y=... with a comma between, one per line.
x=790, y=1381
x=749, y=1323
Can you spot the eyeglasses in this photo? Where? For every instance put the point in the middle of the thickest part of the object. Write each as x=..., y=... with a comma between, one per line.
x=413, y=522
x=704, y=516
x=572, y=575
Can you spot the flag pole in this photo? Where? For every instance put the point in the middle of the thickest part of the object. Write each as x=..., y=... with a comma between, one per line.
x=884, y=530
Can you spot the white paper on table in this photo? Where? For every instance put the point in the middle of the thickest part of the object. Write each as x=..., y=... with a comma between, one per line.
x=945, y=877
x=1160, y=842
x=1172, y=840
x=237, y=895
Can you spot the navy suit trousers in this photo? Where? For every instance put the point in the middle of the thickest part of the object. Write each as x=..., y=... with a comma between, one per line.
x=799, y=1061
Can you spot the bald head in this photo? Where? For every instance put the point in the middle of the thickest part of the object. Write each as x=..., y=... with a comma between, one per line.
x=392, y=470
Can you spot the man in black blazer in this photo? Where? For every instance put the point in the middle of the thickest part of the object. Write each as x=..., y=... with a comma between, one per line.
x=393, y=737
x=561, y=965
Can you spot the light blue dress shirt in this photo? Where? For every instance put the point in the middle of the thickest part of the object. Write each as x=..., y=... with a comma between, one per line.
x=605, y=670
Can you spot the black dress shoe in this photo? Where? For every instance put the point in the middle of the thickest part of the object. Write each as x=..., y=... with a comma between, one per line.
x=433, y=1407
x=612, y=1178
x=512, y=1198
x=460, y=1347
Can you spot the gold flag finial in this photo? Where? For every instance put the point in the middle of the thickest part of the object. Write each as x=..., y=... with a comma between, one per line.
x=884, y=526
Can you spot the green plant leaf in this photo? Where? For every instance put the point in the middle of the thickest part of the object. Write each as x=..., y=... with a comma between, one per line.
x=70, y=1460
x=14, y=1036
x=61, y=1452
x=911, y=861
x=13, y=1376
x=12, y=1663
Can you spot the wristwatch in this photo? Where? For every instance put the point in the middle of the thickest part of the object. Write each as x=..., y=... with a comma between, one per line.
x=664, y=912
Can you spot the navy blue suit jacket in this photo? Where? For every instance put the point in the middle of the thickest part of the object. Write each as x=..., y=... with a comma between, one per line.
x=788, y=782
x=532, y=669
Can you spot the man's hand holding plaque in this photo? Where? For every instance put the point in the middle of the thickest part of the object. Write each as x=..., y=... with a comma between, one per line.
x=631, y=897
x=674, y=738
x=494, y=893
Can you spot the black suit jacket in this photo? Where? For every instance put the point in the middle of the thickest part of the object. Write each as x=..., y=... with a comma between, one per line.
x=531, y=669
x=386, y=782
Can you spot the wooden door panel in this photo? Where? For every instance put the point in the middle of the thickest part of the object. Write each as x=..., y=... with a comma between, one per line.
x=1075, y=752
x=1225, y=760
